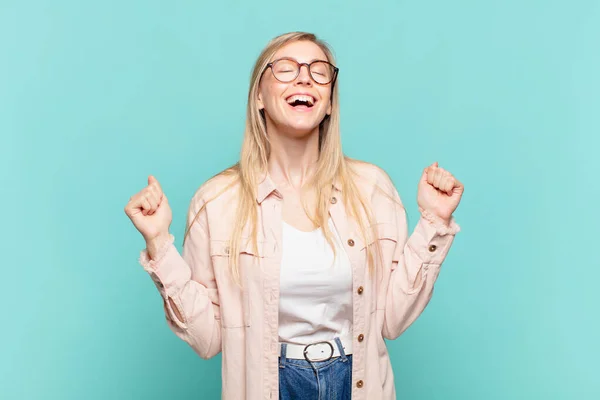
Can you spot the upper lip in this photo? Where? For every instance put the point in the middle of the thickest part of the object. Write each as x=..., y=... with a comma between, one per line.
x=302, y=94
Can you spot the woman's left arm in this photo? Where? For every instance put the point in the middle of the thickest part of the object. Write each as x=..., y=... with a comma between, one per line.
x=417, y=259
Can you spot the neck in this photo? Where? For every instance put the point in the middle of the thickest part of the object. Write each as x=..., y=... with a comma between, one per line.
x=293, y=158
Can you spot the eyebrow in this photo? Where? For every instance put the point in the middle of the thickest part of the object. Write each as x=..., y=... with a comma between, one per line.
x=314, y=59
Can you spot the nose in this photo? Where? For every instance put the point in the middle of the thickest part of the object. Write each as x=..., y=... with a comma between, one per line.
x=304, y=75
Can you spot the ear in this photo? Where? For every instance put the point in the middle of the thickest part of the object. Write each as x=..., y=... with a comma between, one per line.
x=259, y=101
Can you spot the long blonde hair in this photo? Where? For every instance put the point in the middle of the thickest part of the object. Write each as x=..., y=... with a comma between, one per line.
x=332, y=165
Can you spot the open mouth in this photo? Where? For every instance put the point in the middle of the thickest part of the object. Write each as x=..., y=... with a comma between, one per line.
x=301, y=101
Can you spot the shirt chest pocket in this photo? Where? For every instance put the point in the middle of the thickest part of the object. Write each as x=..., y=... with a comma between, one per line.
x=236, y=303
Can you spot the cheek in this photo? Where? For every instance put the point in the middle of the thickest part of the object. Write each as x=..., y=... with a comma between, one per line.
x=270, y=99
x=326, y=99
x=271, y=93
x=269, y=103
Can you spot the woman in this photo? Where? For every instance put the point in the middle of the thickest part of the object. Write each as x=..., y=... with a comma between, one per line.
x=296, y=262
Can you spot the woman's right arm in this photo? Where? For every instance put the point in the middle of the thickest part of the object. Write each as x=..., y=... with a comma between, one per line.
x=187, y=284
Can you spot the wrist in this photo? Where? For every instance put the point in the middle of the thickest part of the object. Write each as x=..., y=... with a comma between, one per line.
x=153, y=245
x=443, y=226
x=435, y=218
x=445, y=221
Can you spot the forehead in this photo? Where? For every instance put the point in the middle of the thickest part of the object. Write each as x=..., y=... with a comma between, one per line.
x=302, y=51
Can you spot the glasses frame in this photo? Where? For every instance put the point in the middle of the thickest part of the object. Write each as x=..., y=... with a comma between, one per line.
x=308, y=65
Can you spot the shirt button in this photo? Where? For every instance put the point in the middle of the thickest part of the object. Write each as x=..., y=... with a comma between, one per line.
x=359, y=384
x=360, y=290
x=333, y=200
x=226, y=250
x=432, y=248
x=361, y=337
x=350, y=242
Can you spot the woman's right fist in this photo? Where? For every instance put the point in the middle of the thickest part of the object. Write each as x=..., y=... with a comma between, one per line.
x=149, y=211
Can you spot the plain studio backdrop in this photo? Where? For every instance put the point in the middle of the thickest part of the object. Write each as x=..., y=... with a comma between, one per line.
x=95, y=96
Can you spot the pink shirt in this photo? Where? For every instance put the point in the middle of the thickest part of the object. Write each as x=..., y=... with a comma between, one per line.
x=242, y=323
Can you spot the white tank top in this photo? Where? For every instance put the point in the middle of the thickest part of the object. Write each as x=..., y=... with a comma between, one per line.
x=315, y=300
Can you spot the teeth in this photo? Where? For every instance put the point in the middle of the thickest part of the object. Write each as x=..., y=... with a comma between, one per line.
x=307, y=99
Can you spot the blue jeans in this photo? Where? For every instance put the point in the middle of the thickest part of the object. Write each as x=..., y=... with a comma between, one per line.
x=321, y=380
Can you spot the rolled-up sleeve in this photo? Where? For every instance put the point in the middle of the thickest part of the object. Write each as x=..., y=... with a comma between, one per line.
x=186, y=281
x=415, y=267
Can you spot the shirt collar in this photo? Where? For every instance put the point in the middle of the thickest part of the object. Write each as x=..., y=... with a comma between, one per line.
x=267, y=186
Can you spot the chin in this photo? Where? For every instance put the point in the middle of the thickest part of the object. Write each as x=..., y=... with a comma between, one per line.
x=300, y=130
x=296, y=126
x=305, y=125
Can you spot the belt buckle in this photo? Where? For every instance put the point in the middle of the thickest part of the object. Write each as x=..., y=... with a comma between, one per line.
x=305, y=352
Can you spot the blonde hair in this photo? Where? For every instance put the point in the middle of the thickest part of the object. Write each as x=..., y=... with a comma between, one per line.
x=332, y=165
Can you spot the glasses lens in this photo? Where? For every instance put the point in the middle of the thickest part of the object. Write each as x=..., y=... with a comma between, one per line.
x=321, y=72
x=285, y=70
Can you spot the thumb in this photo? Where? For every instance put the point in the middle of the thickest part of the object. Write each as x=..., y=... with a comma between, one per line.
x=151, y=179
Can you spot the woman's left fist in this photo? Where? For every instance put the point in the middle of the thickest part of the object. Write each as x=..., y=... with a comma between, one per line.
x=439, y=192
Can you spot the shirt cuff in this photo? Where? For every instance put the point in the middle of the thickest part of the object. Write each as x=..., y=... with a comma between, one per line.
x=151, y=264
x=168, y=270
x=432, y=238
x=440, y=225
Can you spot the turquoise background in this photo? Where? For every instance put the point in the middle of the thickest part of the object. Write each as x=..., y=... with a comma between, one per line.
x=95, y=96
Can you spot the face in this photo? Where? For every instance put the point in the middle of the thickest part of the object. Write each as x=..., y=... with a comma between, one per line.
x=299, y=106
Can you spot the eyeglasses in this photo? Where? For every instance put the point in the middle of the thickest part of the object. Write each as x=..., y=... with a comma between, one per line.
x=287, y=69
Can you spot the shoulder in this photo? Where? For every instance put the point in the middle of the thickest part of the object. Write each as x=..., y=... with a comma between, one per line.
x=372, y=179
x=219, y=188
